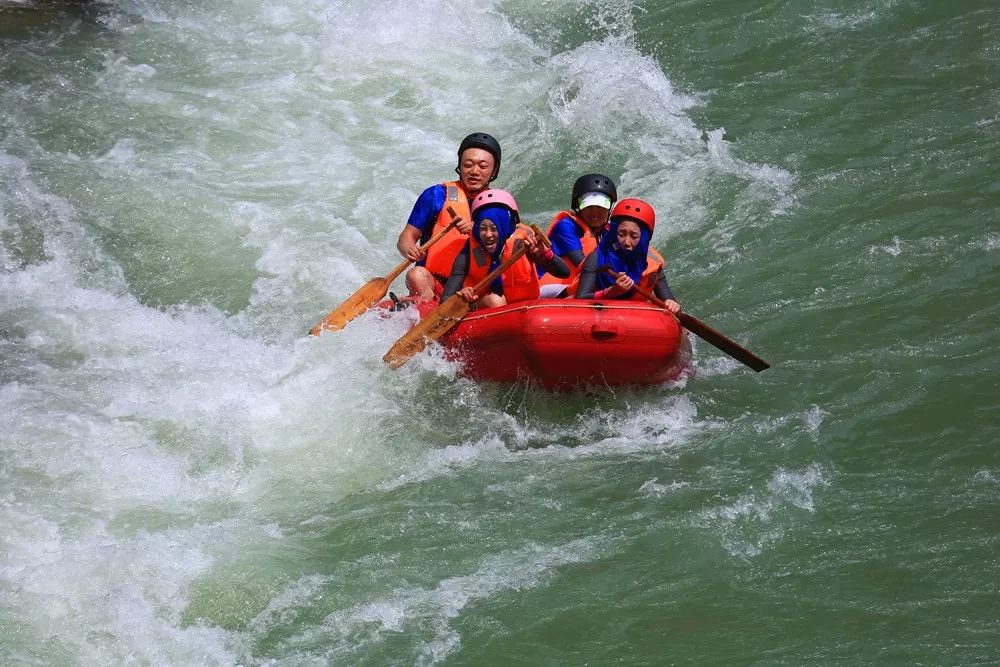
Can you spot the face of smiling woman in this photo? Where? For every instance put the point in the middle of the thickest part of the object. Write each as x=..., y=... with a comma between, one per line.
x=488, y=236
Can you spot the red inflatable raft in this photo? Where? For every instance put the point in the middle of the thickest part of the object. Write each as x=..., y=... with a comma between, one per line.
x=567, y=343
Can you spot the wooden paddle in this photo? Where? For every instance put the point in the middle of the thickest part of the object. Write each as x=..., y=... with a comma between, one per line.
x=707, y=333
x=372, y=291
x=447, y=315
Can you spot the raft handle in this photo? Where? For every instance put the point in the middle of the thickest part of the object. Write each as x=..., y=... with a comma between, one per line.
x=603, y=331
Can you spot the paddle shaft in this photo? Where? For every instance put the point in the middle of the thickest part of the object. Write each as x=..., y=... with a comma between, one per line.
x=374, y=290
x=707, y=333
x=520, y=252
x=446, y=316
x=431, y=241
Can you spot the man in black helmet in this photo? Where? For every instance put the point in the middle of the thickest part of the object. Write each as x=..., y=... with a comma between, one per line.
x=574, y=233
x=478, y=165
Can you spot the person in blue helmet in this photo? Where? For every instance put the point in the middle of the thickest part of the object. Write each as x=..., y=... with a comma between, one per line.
x=478, y=165
x=624, y=249
x=496, y=237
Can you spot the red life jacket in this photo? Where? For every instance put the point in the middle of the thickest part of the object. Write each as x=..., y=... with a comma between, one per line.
x=520, y=279
x=654, y=264
x=442, y=254
x=587, y=240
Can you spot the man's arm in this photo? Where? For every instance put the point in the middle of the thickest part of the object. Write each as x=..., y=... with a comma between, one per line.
x=662, y=289
x=566, y=242
x=408, y=243
x=421, y=222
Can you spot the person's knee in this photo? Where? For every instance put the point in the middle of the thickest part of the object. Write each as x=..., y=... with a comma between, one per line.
x=552, y=291
x=420, y=282
x=492, y=301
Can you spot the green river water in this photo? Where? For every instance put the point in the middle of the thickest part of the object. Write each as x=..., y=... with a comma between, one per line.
x=188, y=479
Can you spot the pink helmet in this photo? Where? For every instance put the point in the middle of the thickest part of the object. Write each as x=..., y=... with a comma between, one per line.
x=493, y=196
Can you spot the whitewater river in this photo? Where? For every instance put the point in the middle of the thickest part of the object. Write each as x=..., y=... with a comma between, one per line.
x=186, y=478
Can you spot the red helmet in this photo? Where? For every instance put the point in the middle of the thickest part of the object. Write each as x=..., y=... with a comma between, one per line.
x=637, y=210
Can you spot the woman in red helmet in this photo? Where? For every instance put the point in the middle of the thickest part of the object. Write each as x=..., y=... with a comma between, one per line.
x=496, y=235
x=478, y=165
x=624, y=248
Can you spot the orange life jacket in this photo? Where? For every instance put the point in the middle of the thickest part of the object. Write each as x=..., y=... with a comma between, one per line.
x=520, y=279
x=654, y=264
x=587, y=240
x=442, y=254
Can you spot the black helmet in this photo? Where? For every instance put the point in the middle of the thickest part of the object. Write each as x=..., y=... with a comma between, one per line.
x=487, y=143
x=593, y=183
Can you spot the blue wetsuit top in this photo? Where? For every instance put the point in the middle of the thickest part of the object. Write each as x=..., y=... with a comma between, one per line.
x=565, y=238
x=425, y=212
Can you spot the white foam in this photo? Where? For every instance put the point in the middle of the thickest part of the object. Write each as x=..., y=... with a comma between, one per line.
x=836, y=23
x=654, y=489
x=134, y=590
x=643, y=432
x=986, y=476
x=814, y=419
x=146, y=445
x=755, y=520
x=425, y=614
x=893, y=249
x=449, y=460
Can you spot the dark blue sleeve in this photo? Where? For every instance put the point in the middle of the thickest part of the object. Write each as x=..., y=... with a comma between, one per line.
x=459, y=269
x=662, y=289
x=588, y=284
x=564, y=238
x=426, y=209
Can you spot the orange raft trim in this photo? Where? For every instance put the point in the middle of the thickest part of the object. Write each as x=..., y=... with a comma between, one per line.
x=563, y=344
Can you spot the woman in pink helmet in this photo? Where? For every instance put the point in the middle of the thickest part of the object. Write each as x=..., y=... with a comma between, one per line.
x=496, y=235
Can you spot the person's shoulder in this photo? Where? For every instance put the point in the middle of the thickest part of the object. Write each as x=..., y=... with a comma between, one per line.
x=432, y=198
x=563, y=218
x=427, y=207
x=564, y=225
x=436, y=191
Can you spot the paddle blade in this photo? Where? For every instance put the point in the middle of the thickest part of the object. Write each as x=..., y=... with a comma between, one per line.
x=367, y=296
x=723, y=342
x=432, y=327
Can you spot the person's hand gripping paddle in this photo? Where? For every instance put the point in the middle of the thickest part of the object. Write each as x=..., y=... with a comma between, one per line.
x=702, y=330
x=448, y=314
x=374, y=290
